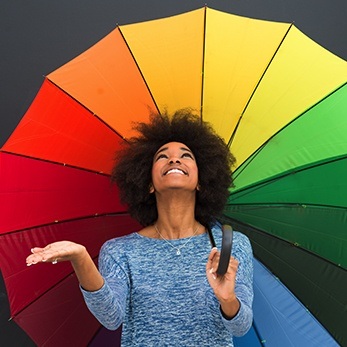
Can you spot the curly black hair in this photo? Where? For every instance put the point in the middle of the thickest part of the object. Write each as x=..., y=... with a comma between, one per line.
x=133, y=166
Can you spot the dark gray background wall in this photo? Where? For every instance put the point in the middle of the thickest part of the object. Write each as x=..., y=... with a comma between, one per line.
x=38, y=36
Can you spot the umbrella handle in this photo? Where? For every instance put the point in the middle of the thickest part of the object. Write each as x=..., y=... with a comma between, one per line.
x=227, y=243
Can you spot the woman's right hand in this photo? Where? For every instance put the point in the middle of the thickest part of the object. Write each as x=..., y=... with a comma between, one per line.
x=86, y=271
x=56, y=252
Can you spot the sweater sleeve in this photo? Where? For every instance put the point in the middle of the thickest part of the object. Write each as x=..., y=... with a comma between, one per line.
x=108, y=304
x=242, y=322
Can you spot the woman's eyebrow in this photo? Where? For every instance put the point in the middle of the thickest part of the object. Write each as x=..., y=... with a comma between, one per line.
x=186, y=149
x=161, y=150
x=166, y=148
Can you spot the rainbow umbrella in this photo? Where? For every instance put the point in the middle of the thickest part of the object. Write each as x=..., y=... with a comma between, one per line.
x=275, y=96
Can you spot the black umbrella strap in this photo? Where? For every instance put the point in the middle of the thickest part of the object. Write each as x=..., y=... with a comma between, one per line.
x=227, y=241
x=225, y=253
x=213, y=243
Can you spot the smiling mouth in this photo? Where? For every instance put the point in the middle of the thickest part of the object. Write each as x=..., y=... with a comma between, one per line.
x=175, y=171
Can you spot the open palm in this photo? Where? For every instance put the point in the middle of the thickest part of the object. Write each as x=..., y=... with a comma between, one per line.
x=57, y=251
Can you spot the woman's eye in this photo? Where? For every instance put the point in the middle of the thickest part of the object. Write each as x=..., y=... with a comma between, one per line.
x=161, y=156
x=187, y=155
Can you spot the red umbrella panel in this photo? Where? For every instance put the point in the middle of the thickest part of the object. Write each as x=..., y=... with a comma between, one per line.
x=89, y=213
x=55, y=185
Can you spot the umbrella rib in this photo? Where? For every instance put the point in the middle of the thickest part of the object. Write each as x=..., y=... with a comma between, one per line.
x=96, y=332
x=258, y=205
x=295, y=270
x=45, y=292
x=96, y=215
x=139, y=69
x=57, y=327
x=291, y=172
x=71, y=273
x=257, y=333
x=203, y=65
x=86, y=108
x=257, y=85
x=55, y=162
x=254, y=154
x=253, y=229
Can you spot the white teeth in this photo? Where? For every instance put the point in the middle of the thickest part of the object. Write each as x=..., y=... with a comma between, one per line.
x=175, y=171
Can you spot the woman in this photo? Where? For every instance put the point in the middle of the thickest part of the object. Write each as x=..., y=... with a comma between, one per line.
x=161, y=282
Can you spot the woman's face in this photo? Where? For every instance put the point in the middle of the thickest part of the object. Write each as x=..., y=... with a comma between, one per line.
x=174, y=167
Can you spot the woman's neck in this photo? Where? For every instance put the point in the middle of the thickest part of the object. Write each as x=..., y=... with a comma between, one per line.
x=176, y=216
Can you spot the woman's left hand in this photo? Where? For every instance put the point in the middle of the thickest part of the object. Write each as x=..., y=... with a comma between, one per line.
x=223, y=286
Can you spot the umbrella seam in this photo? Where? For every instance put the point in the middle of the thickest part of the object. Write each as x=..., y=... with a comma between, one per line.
x=256, y=230
x=290, y=172
x=109, y=214
x=257, y=85
x=203, y=64
x=72, y=273
x=86, y=108
x=230, y=206
x=55, y=162
x=287, y=125
x=139, y=69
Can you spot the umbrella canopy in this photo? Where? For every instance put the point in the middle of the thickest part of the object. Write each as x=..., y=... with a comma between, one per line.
x=275, y=96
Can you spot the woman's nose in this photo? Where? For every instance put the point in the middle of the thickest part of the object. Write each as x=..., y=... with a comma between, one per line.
x=174, y=161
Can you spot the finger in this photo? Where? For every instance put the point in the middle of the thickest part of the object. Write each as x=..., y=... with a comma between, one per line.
x=36, y=250
x=213, y=254
x=42, y=259
x=214, y=250
x=41, y=255
x=51, y=256
x=215, y=262
x=212, y=263
x=30, y=261
x=33, y=259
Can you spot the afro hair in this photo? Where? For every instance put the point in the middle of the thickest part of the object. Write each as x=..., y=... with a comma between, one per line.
x=133, y=166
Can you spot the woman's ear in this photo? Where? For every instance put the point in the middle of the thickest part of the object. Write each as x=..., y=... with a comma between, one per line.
x=198, y=187
x=151, y=189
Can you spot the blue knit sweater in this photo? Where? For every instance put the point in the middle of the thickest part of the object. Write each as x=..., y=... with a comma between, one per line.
x=164, y=299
